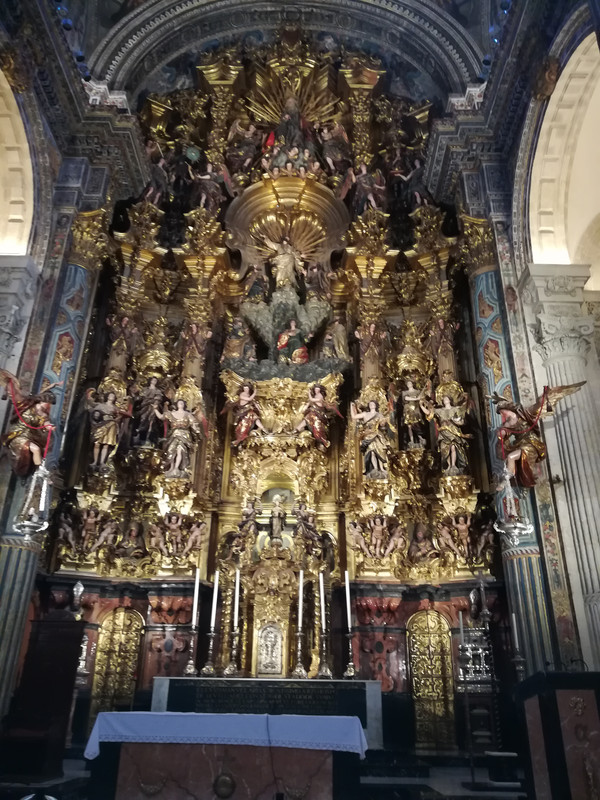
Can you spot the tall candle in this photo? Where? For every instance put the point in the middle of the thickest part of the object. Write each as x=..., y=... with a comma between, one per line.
x=514, y=630
x=348, y=611
x=300, y=598
x=213, y=611
x=462, y=630
x=322, y=593
x=196, y=595
x=236, y=602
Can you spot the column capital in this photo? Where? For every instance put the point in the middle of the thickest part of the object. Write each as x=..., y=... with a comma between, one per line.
x=563, y=336
x=559, y=283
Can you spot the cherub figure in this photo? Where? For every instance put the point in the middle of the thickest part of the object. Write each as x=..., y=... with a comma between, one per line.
x=196, y=538
x=356, y=536
x=397, y=540
x=66, y=531
x=462, y=525
x=378, y=527
x=485, y=540
x=156, y=539
x=108, y=536
x=91, y=520
x=173, y=524
x=445, y=540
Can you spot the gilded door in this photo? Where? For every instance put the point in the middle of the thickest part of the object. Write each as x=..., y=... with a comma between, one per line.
x=430, y=662
x=116, y=660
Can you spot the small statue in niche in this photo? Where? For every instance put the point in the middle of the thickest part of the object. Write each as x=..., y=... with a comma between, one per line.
x=441, y=346
x=28, y=435
x=335, y=341
x=370, y=188
x=126, y=341
x=192, y=346
x=66, y=529
x=238, y=342
x=183, y=429
x=108, y=536
x=316, y=414
x=106, y=420
x=156, y=539
x=233, y=546
x=248, y=526
x=291, y=345
x=246, y=414
x=356, y=536
x=421, y=547
x=197, y=536
x=397, y=540
x=132, y=545
x=147, y=432
x=445, y=539
x=318, y=282
x=453, y=443
x=378, y=527
x=255, y=284
x=462, y=525
x=90, y=519
x=277, y=521
x=373, y=340
x=305, y=528
x=376, y=436
x=414, y=409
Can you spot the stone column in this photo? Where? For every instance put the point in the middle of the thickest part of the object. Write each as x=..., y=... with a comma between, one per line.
x=564, y=341
x=525, y=584
x=18, y=565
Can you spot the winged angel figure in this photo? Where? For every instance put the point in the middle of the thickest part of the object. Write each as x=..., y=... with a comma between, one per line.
x=519, y=438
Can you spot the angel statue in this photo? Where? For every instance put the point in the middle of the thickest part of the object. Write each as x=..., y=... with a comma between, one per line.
x=286, y=263
x=519, y=438
x=30, y=431
x=453, y=443
x=376, y=433
x=106, y=420
x=246, y=413
x=184, y=427
x=316, y=414
x=414, y=408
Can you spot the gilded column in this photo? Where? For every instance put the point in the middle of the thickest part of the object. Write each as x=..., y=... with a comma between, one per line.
x=18, y=566
x=525, y=584
x=564, y=341
x=220, y=76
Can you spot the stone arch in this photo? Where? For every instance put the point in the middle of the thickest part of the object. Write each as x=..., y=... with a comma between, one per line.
x=566, y=170
x=16, y=177
x=152, y=35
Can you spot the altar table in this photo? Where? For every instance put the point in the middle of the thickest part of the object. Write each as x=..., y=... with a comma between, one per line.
x=174, y=755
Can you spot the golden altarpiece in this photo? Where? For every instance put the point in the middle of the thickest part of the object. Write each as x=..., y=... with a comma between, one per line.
x=282, y=393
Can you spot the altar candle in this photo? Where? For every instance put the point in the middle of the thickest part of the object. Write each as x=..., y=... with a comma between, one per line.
x=196, y=595
x=462, y=630
x=322, y=593
x=236, y=602
x=213, y=611
x=348, y=611
x=514, y=630
x=300, y=598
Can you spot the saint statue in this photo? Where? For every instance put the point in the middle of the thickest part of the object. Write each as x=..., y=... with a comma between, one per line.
x=238, y=342
x=277, y=521
x=453, y=443
x=291, y=345
x=286, y=263
x=183, y=429
x=335, y=341
x=192, y=346
x=373, y=340
x=376, y=433
x=106, y=420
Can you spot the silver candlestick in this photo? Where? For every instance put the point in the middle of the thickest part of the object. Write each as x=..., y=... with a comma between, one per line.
x=231, y=670
x=299, y=671
x=350, y=672
x=208, y=670
x=190, y=668
x=324, y=669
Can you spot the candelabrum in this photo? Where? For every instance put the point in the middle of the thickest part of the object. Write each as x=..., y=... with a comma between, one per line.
x=350, y=672
x=231, y=670
x=324, y=669
x=190, y=667
x=299, y=671
x=208, y=670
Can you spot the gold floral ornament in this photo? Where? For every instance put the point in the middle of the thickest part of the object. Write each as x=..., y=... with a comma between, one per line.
x=412, y=358
x=476, y=244
x=89, y=239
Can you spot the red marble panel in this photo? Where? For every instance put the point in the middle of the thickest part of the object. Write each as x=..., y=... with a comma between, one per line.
x=184, y=771
x=537, y=749
x=580, y=729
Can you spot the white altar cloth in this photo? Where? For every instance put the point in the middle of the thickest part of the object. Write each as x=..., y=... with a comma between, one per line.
x=261, y=730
